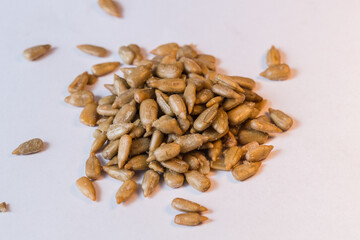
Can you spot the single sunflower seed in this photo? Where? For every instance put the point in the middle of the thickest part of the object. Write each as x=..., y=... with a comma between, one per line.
x=259, y=153
x=173, y=179
x=3, y=207
x=36, y=52
x=32, y=146
x=93, y=167
x=125, y=191
x=273, y=57
x=277, y=72
x=150, y=181
x=109, y=6
x=246, y=170
x=80, y=98
x=184, y=205
x=189, y=219
x=93, y=50
x=104, y=68
x=117, y=173
x=280, y=119
x=86, y=187
x=197, y=180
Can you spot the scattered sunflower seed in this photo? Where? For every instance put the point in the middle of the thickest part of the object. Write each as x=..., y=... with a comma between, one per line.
x=32, y=146
x=36, y=52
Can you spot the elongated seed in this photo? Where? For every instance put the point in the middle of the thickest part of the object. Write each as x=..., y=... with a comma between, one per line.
x=197, y=180
x=273, y=57
x=89, y=115
x=190, y=66
x=137, y=163
x=173, y=179
x=184, y=205
x=104, y=68
x=104, y=126
x=163, y=102
x=213, y=135
x=228, y=81
x=244, y=82
x=247, y=135
x=197, y=109
x=204, y=96
x=136, y=77
x=169, y=85
x=282, y=120
x=173, y=70
x=247, y=147
x=116, y=130
x=190, y=96
x=225, y=91
x=165, y=152
x=263, y=126
x=111, y=88
x=190, y=142
x=117, y=173
x=231, y=103
x=126, y=113
x=124, y=149
x=120, y=85
x=192, y=160
x=150, y=181
x=259, y=153
x=204, y=163
x=176, y=165
x=126, y=54
x=189, y=219
x=93, y=167
x=156, y=139
x=252, y=96
x=137, y=131
x=86, y=187
x=80, y=98
x=220, y=122
x=177, y=106
x=167, y=125
x=32, y=146
x=165, y=49
x=214, y=152
x=113, y=161
x=125, y=191
x=139, y=145
x=98, y=142
x=93, y=50
x=186, y=51
x=246, y=170
x=142, y=94
x=92, y=79
x=3, y=207
x=240, y=114
x=79, y=83
x=107, y=100
x=232, y=157
x=277, y=72
x=109, y=7
x=204, y=120
x=106, y=110
x=214, y=100
x=111, y=149
x=124, y=98
x=36, y=52
x=148, y=113
x=156, y=166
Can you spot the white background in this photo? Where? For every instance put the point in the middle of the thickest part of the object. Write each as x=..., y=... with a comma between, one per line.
x=307, y=189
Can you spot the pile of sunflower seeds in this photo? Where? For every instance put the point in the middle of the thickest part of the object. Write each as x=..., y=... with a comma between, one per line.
x=172, y=116
x=192, y=216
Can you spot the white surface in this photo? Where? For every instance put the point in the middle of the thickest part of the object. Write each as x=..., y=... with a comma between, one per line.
x=307, y=189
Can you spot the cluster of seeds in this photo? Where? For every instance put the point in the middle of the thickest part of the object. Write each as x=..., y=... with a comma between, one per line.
x=275, y=70
x=192, y=216
x=172, y=116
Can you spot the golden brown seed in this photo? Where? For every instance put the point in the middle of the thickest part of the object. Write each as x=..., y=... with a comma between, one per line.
x=169, y=59
x=93, y=167
x=137, y=131
x=165, y=152
x=228, y=82
x=263, y=126
x=259, y=153
x=139, y=145
x=197, y=109
x=111, y=88
x=156, y=166
x=167, y=125
x=109, y=7
x=173, y=179
x=220, y=122
x=104, y=126
x=124, y=149
x=177, y=106
x=137, y=76
x=192, y=160
x=273, y=57
x=148, y=113
x=89, y=115
x=229, y=140
x=3, y=207
x=150, y=181
x=35, y=52
x=117, y=173
x=111, y=149
x=204, y=96
x=176, y=165
x=120, y=85
x=204, y=120
x=219, y=164
x=127, y=55
x=32, y=146
x=92, y=79
x=199, y=81
x=104, y=68
x=186, y=51
x=246, y=170
x=214, y=100
x=190, y=66
x=98, y=142
x=170, y=85
x=215, y=151
x=125, y=191
x=184, y=205
x=93, y=50
x=281, y=119
x=166, y=49
x=190, y=142
x=137, y=163
x=204, y=163
x=124, y=98
x=86, y=187
x=106, y=110
x=80, y=98
x=173, y=70
x=79, y=83
x=240, y=114
x=142, y=94
x=126, y=113
x=156, y=140
x=184, y=124
x=189, y=219
x=247, y=135
x=252, y=96
x=244, y=82
x=232, y=157
x=138, y=57
x=107, y=100
x=277, y=72
x=247, y=147
x=231, y=103
x=117, y=130
x=225, y=91
x=213, y=135
x=197, y=180
x=163, y=101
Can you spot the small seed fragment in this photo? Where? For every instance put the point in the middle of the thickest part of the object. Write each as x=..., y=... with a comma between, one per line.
x=137, y=76
x=93, y=50
x=156, y=166
x=280, y=119
x=259, y=153
x=117, y=173
x=35, y=52
x=92, y=79
x=125, y=191
x=32, y=146
x=93, y=167
x=173, y=179
x=197, y=180
x=277, y=72
x=192, y=160
x=189, y=219
x=86, y=187
x=273, y=57
x=109, y=7
x=214, y=152
x=219, y=164
x=3, y=207
x=142, y=94
x=184, y=205
x=139, y=145
x=214, y=100
x=232, y=157
x=150, y=181
x=104, y=68
x=80, y=98
x=246, y=170
x=229, y=140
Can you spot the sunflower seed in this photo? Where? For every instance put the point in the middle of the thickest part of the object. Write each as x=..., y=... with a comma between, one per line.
x=166, y=49
x=214, y=100
x=186, y=51
x=220, y=122
x=117, y=173
x=205, y=119
x=150, y=181
x=98, y=142
x=137, y=163
x=92, y=79
x=280, y=119
x=111, y=149
x=214, y=152
x=86, y=187
x=219, y=164
x=240, y=114
x=165, y=152
x=142, y=94
x=117, y=130
x=109, y=7
x=247, y=135
x=176, y=165
x=167, y=125
x=173, y=70
x=126, y=54
x=93, y=50
x=272, y=57
x=156, y=166
x=184, y=205
x=169, y=85
x=148, y=113
x=124, y=98
x=32, y=146
x=190, y=96
x=35, y=52
x=232, y=157
x=79, y=83
x=244, y=82
x=139, y=145
x=173, y=179
x=177, y=106
x=189, y=219
x=3, y=207
x=259, y=153
x=197, y=180
x=192, y=160
x=137, y=76
x=107, y=100
x=204, y=96
x=263, y=126
x=229, y=140
x=246, y=170
x=80, y=98
x=228, y=82
x=125, y=191
x=231, y=103
x=93, y=167
x=277, y=72
x=190, y=142
x=124, y=149
x=190, y=66
x=126, y=113
x=104, y=68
